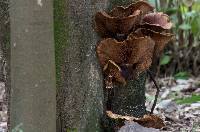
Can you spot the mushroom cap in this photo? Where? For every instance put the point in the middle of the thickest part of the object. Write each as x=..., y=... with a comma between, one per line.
x=142, y=48
x=114, y=71
x=146, y=121
x=157, y=19
x=121, y=20
x=138, y=46
x=111, y=49
x=106, y=24
x=120, y=11
x=160, y=39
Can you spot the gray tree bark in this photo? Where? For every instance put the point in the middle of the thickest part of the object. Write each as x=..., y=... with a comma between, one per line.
x=81, y=97
x=33, y=90
x=80, y=100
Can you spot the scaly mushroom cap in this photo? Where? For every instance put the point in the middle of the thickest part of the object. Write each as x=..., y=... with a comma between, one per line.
x=121, y=20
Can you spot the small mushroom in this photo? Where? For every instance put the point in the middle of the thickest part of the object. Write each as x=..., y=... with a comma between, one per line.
x=113, y=72
x=121, y=20
x=157, y=20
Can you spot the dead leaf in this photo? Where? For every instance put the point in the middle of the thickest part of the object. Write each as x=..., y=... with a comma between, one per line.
x=151, y=121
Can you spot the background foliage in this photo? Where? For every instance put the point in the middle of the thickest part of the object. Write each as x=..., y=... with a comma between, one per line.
x=182, y=55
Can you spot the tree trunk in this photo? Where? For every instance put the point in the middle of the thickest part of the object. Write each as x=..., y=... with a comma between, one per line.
x=33, y=90
x=80, y=98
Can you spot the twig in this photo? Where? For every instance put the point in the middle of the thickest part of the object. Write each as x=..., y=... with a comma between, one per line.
x=157, y=92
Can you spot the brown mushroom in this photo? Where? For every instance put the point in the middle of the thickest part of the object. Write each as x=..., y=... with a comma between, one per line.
x=146, y=121
x=139, y=54
x=161, y=39
x=113, y=72
x=142, y=6
x=111, y=49
x=121, y=11
x=106, y=24
x=121, y=20
x=157, y=20
x=138, y=47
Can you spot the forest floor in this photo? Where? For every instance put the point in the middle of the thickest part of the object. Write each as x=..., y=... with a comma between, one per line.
x=178, y=104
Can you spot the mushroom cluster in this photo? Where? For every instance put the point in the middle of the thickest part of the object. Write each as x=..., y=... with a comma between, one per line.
x=132, y=38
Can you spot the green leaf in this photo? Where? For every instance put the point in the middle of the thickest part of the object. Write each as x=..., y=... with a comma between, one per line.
x=195, y=26
x=185, y=26
x=165, y=59
x=182, y=75
x=188, y=100
x=183, y=9
x=171, y=11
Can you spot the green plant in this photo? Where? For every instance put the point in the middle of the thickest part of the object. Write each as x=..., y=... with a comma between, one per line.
x=182, y=75
x=165, y=59
x=188, y=100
